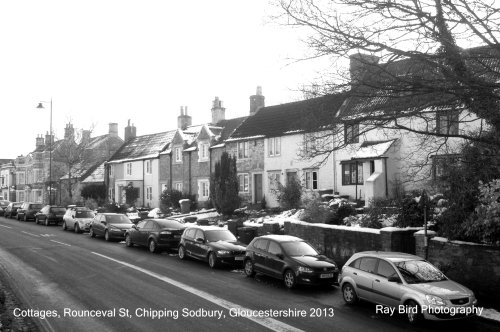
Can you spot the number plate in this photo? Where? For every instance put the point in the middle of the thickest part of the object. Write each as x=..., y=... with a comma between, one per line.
x=239, y=258
x=326, y=275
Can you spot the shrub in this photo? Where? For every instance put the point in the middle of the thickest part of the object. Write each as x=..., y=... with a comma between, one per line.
x=342, y=211
x=224, y=185
x=289, y=196
x=411, y=211
x=317, y=212
x=96, y=192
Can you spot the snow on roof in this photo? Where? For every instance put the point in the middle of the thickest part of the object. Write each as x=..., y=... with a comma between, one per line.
x=372, y=151
x=218, y=146
x=150, y=156
x=234, y=139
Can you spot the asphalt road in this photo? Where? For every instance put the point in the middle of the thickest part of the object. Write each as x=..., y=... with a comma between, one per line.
x=68, y=275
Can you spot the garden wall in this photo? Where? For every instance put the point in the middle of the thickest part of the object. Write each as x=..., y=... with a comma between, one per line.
x=473, y=265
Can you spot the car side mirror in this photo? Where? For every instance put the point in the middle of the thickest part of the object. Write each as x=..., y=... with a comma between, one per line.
x=135, y=227
x=200, y=240
x=280, y=256
x=394, y=279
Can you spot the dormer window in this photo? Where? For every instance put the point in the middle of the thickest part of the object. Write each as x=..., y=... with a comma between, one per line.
x=447, y=122
x=274, y=146
x=203, y=154
x=351, y=133
x=242, y=150
x=178, y=155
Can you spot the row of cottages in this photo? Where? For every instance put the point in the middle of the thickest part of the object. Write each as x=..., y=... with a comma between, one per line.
x=7, y=179
x=44, y=170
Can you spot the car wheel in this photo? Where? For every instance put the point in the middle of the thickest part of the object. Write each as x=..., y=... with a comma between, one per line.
x=106, y=236
x=349, y=294
x=414, y=313
x=128, y=241
x=182, y=252
x=77, y=228
x=36, y=220
x=212, y=260
x=91, y=232
x=249, y=270
x=47, y=222
x=289, y=279
x=25, y=218
x=153, y=248
x=65, y=227
x=17, y=217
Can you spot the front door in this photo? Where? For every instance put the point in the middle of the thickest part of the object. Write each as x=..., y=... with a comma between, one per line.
x=257, y=180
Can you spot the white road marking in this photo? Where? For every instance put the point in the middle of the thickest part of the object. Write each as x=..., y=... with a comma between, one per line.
x=30, y=234
x=69, y=245
x=5, y=226
x=269, y=323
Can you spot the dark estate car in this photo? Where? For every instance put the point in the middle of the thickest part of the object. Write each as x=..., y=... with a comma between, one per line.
x=156, y=234
x=291, y=259
x=78, y=219
x=213, y=244
x=28, y=210
x=11, y=210
x=405, y=281
x=50, y=214
x=3, y=206
x=110, y=225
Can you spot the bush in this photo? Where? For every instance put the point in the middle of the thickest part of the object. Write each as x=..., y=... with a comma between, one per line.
x=170, y=198
x=317, y=212
x=344, y=210
x=96, y=192
x=289, y=196
x=411, y=211
x=224, y=185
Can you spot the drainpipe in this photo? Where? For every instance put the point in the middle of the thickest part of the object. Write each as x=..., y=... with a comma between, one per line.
x=386, y=179
x=143, y=184
x=189, y=173
x=170, y=171
x=356, y=189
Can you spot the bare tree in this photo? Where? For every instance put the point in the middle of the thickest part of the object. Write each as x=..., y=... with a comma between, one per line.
x=416, y=66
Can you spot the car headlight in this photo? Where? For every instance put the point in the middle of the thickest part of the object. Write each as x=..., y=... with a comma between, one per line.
x=435, y=300
x=223, y=252
x=303, y=269
x=112, y=229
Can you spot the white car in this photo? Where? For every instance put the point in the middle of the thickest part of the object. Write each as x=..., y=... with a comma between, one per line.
x=78, y=219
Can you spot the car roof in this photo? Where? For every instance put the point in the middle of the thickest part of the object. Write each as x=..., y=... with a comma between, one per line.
x=208, y=228
x=281, y=238
x=389, y=255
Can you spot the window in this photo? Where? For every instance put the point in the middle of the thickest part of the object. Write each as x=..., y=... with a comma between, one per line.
x=261, y=244
x=178, y=155
x=311, y=180
x=274, y=146
x=37, y=175
x=441, y=163
x=447, y=122
x=111, y=194
x=385, y=269
x=351, y=175
x=203, y=152
x=20, y=178
x=242, y=150
x=20, y=196
x=149, y=193
x=372, y=166
x=368, y=264
x=129, y=168
x=243, y=181
x=274, y=248
x=149, y=167
x=203, y=189
x=178, y=186
x=274, y=179
x=351, y=133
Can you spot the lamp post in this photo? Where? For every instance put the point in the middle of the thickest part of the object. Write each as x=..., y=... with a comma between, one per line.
x=40, y=105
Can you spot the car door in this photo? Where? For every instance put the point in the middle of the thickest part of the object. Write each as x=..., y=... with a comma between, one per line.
x=274, y=259
x=99, y=225
x=200, y=248
x=384, y=291
x=135, y=234
x=259, y=256
x=143, y=232
x=364, y=277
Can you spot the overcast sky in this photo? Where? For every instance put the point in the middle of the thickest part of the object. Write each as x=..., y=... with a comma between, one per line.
x=105, y=61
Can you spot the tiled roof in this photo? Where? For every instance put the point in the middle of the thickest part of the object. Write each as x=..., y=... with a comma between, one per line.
x=143, y=146
x=273, y=121
x=228, y=127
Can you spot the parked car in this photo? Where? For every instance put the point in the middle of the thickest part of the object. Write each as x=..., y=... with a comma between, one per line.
x=110, y=225
x=156, y=234
x=11, y=210
x=28, y=210
x=405, y=282
x=212, y=244
x=291, y=259
x=3, y=206
x=50, y=214
x=78, y=219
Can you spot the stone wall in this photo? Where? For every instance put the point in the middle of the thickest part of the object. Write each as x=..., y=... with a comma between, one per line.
x=473, y=265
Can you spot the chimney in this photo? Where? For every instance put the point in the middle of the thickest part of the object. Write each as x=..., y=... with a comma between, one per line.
x=85, y=136
x=130, y=131
x=360, y=64
x=69, y=132
x=184, y=120
x=257, y=101
x=218, y=112
x=39, y=141
x=49, y=139
x=113, y=129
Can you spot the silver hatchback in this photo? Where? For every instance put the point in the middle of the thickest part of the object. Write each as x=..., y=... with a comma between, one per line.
x=405, y=284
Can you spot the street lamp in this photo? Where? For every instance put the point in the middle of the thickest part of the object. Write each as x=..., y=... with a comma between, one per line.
x=40, y=105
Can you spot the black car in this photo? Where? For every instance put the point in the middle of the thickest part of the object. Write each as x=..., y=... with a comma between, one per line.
x=11, y=210
x=212, y=244
x=28, y=210
x=50, y=214
x=291, y=259
x=110, y=225
x=3, y=206
x=156, y=234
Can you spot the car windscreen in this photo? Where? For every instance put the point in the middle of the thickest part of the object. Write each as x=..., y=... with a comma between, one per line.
x=417, y=271
x=118, y=219
x=298, y=248
x=84, y=214
x=222, y=235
